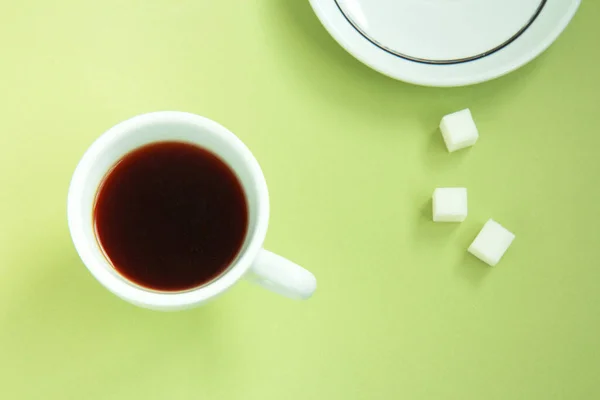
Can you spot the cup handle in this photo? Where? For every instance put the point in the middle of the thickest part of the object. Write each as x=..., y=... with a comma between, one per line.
x=282, y=276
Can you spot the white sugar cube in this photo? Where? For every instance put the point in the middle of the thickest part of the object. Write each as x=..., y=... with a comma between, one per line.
x=459, y=130
x=449, y=204
x=491, y=243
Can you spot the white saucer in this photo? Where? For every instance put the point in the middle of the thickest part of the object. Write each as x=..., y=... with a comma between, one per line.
x=445, y=42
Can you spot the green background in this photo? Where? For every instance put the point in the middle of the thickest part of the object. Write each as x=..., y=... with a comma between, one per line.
x=352, y=158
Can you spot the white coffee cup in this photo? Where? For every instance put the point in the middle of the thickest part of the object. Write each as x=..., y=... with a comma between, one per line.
x=253, y=262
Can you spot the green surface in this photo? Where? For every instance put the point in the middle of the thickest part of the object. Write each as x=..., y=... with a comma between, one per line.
x=351, y=158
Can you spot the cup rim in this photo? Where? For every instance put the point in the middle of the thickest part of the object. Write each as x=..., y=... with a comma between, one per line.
x=121, y=286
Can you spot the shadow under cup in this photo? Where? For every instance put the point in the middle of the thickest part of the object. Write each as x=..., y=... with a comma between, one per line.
x=132, y=134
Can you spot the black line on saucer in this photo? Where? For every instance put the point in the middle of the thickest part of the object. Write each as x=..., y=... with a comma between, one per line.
x=443, y=62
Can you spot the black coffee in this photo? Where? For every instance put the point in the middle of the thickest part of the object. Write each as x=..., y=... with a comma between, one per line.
x=171, y=216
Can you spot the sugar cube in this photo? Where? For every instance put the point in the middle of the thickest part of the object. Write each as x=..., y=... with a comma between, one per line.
x=459, y=130
x=491, y=243
x=449, y=204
